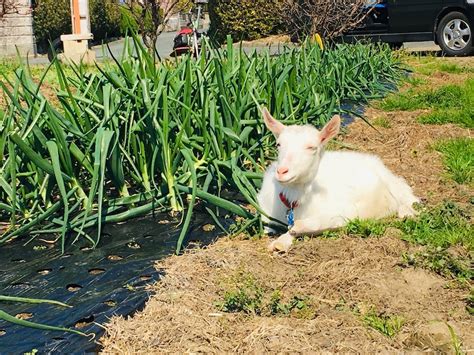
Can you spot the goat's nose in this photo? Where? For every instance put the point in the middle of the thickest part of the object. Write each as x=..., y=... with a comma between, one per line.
x=282, y=170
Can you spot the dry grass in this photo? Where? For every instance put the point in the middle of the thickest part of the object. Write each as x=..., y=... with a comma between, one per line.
x=338, y=277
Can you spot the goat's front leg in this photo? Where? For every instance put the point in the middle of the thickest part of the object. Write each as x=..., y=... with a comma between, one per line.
x=304, y=227
x=315, y=227
x=282, y=243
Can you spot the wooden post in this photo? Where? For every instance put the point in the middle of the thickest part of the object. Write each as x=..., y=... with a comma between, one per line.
x=76, y=17
x=76, y=47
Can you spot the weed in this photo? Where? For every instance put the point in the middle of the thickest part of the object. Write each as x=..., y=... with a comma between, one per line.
x=441, y=262
x=247, y=297
x=365, y=228
x=382, y=122
x=297, y=303
x=415, y=80
x=457, y=344
x=463, y=117
x=451, y=68
x=443, y=226
x=458, y=158
x=388, y=325
x=470, y=302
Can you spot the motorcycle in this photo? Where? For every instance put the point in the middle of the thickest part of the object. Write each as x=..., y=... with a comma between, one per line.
x=188, y=38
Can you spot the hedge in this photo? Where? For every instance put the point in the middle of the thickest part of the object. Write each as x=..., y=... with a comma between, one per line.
x=52, y=18
x=244, y=19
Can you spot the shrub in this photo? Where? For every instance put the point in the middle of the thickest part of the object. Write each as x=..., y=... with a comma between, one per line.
x=105, y=19
x=52, y=18
x=244, y=19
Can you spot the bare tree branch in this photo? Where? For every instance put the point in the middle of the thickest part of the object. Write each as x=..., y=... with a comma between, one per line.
x=152, y=17
x=7, y=7
x=329, y=18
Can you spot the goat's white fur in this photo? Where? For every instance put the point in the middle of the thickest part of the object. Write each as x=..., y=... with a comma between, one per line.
x=331, y=187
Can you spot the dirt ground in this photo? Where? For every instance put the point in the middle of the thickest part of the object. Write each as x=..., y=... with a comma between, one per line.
x=340, y=279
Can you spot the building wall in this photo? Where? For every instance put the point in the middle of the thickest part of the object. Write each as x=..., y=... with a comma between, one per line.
x=16, y=31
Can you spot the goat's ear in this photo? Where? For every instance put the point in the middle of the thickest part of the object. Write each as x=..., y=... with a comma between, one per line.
x=331, y=129
x=272, y=124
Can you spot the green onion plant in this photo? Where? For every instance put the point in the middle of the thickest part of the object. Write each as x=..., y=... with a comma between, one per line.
x=135, y=136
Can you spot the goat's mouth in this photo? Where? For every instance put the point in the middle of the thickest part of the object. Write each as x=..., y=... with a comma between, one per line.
x=285, y=179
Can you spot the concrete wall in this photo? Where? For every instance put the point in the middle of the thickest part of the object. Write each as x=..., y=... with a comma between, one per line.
x=16, y=30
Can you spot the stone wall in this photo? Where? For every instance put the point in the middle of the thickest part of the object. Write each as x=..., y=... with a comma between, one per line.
x=16, y=31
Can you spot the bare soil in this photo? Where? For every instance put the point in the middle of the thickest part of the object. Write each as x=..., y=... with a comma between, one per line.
x=340, y=279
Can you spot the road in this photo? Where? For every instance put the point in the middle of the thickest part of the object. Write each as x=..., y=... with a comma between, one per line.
x=165, y=47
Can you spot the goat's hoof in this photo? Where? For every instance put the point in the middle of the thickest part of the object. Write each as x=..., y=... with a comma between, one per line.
x=281, y=244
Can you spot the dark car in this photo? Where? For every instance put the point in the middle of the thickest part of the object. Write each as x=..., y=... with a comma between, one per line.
x=449, y=23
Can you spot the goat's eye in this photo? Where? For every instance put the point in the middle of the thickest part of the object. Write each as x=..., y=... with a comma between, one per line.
x=311, y=147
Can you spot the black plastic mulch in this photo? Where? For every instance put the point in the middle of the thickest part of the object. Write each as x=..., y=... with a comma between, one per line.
x=98, y=283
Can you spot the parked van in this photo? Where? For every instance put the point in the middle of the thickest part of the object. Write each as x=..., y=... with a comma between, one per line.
x=449, y=23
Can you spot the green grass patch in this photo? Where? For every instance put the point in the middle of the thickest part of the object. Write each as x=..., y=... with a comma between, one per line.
x=386, y=324
x=443, y=226
x=449, y=104
x=429, y=65
x=365, y=228
x=382, y=122
x=458, y=158
x=442, y=262
x=414, y=99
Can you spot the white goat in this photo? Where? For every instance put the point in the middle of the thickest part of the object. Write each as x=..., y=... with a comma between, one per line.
x=324, y=190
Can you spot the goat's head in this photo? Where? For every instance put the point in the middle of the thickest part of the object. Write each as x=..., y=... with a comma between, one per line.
x=299, y=148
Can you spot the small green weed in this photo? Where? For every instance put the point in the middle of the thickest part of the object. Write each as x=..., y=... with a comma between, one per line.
x=382, y=122
x=457, y=344
x=388, y=325
x=300, y=305
x=458, y=158
x=415, y=80
x=247, y=297
x=470, y=302
x=365, y=228
x=443, y=226
x=441, y=262
x=452, y=68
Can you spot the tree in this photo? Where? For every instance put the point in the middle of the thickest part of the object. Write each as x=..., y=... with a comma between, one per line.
x=152, y=16
x=329, y=18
